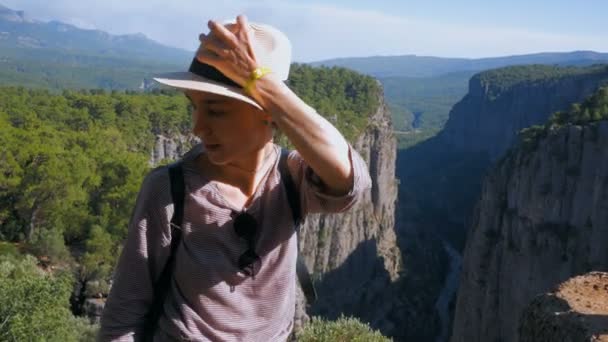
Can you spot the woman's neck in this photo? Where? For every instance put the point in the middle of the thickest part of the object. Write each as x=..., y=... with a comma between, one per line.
x=245, y=173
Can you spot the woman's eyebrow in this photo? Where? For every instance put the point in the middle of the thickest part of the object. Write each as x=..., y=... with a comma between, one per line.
x=215, y=101
x=209, y=102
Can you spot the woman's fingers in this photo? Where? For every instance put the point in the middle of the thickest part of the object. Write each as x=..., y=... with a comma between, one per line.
x=244, y=33
x=213, y=44
x=215, y=47
x=243, y=28
x=228, y=49
x=241, y=20
x=223, y=34
x=206, y=57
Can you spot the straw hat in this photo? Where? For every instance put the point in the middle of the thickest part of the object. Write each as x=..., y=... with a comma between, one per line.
x=272, y=49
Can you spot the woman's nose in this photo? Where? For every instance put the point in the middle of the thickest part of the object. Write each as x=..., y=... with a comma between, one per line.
x=200, y=126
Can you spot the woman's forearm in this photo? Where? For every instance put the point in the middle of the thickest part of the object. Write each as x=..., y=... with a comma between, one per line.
x=319, y=143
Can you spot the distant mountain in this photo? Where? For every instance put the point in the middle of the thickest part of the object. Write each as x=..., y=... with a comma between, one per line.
x=10, y=15
x=17, y=31
x=58, y=55
x=421, y=90
x=423, y=66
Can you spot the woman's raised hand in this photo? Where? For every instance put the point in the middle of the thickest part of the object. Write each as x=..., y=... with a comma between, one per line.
x=228, y=49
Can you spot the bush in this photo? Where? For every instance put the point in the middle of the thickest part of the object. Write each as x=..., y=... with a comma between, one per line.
x=48, y=243
x=34, y=305
x=343, y=330
x=9, y=249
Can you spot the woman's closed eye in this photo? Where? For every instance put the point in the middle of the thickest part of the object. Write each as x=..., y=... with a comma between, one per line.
x=216, y=111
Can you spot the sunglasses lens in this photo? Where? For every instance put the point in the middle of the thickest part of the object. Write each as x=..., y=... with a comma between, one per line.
x=245, y=225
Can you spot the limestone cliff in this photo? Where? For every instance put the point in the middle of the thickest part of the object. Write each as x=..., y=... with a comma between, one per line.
x=541, y=219
x=444, y=174
x=502, y=102
x=354, y=256
x=441, y=177
x=168, y=148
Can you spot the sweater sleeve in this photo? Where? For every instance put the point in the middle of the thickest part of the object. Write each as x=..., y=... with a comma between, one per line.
x=143, y=257
x=314, y=197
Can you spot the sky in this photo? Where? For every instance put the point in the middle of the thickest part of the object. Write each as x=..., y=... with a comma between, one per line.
x=321, y=30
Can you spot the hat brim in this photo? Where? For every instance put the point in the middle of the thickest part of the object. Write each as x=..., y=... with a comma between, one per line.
x=189, y=81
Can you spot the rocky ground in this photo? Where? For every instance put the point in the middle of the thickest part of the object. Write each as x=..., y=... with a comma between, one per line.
x=576, y=311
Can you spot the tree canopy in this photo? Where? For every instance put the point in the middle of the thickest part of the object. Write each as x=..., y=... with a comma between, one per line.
x=71, y=165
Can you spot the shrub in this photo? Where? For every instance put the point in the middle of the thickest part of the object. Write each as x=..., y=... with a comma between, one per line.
x=34, y=305
x=343, y=330
x=48, y=243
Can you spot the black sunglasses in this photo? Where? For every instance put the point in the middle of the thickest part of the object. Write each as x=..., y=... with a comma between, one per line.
x=246, y=227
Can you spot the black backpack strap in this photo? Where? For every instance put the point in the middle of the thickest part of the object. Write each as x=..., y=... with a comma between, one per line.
x=292, y=194
x=293, y=197
x=162, y=285
x=178, y=195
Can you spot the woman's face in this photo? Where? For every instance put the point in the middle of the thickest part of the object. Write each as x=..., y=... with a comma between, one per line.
x=230, y=129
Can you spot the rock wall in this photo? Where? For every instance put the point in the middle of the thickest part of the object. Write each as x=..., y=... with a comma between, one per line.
x=167, y=148
x=541, y=219
x=354, y=256
x=488, y=119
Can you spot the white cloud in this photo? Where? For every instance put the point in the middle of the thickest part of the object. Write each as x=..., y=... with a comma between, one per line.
x=316, y=31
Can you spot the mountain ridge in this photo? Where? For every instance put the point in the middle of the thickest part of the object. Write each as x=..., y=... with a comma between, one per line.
x=428, y=66
x=20, y=32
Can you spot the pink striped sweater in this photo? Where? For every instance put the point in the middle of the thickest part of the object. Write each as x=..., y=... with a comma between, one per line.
x=210, y=298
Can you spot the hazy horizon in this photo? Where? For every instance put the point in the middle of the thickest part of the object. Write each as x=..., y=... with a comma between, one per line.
x=471, y=30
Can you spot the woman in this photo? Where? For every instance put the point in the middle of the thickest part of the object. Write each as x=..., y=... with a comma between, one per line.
x=235, y=84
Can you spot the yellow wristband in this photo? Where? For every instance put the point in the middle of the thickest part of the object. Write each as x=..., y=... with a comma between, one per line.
x=256, y=74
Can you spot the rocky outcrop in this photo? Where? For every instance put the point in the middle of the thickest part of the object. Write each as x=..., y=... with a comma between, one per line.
x=541, y=219
x=93, y=308
x=576, y=311
x=488, y=118
x=354, y=256
x=168, y=148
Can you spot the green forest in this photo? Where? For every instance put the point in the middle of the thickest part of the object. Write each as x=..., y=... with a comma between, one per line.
x=497, y=81
x=420, y=106
x=71, y=165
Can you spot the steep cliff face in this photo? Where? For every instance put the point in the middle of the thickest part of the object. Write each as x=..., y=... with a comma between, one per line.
x=171, y=147
x=496, y=107
x=441, y=178
x=541, y=219
x=354, y=256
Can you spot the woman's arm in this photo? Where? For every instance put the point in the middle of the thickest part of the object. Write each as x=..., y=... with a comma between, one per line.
x=319, y=143
x=143, y=257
